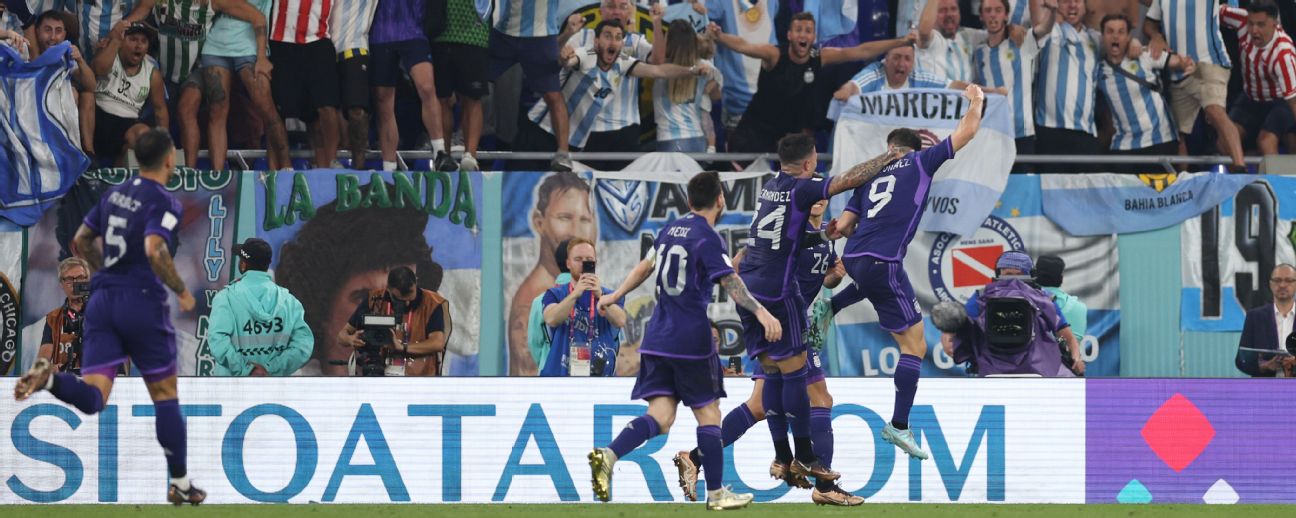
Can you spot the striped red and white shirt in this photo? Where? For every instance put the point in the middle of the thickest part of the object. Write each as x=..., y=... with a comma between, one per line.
x=1269, y=68
x=300, y=21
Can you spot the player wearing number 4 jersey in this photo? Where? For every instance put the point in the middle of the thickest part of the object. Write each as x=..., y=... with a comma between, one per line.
x=770, y=268
x=680, y=362
x=127, y=315
x=881, y=218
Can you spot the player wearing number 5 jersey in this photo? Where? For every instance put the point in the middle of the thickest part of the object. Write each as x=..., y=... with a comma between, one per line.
x=881, y=218
x=770, y=268
x=127, y=315
x=680, y=362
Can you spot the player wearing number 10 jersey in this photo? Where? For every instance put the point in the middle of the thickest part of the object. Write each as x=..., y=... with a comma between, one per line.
x=881, y=218
x=680, y=362
x=127, y=315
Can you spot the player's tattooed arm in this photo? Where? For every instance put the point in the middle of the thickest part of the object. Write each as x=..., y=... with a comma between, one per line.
x=737, y=290
x=858, y=175
x=86, y=249
x=159, y=256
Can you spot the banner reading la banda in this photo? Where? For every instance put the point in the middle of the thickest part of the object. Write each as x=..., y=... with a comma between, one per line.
x=337, y=234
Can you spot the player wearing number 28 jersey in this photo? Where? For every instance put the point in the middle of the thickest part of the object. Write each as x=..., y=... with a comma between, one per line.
x=881, y=219
x=127, y=315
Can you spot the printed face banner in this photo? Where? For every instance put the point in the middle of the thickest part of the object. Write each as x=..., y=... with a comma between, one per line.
x=516, y=440
x=1229, y=251
x=623, y=217
x=943, y=266
x=337, y=233
x=1188, y=441
x=203, y=258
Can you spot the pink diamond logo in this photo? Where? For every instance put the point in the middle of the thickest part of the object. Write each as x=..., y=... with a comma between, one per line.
x=1178, y=432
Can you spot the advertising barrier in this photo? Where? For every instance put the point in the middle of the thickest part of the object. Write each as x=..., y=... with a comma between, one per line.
x=523, y=441
x=1188, y=441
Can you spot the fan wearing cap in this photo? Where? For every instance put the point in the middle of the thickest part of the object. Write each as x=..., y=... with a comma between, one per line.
x=257, y=328
x=127, y=79
x=1017, y=266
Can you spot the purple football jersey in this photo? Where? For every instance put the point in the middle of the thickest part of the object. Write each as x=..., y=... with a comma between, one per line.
x=690, y=259
x=890, y=204
x=770, y=264
x=124, y=216
x=813, y=266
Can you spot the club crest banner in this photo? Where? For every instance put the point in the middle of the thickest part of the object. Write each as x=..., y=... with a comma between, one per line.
x=943, y=266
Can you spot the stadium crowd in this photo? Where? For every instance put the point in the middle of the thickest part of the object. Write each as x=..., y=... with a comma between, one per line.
x=1084, y=76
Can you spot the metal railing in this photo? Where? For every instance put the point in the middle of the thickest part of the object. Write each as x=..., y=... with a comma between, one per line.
x=244, y=158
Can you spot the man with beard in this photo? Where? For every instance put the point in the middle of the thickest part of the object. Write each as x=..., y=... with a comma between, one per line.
x=785, y=91
x=620, y=119
x=945, y=48
x=1132, y=88
x=591, y=82
x=128, y=78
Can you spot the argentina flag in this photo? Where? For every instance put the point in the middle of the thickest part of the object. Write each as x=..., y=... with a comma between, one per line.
x=1100, y=204
x=40, y=146
x=964, y=190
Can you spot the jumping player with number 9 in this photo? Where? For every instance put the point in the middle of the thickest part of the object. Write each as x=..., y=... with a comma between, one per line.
x=881, y=218
x=127, y=315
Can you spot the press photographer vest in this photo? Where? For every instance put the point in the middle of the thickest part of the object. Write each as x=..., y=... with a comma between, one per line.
x=54, y=320
x=416, y=326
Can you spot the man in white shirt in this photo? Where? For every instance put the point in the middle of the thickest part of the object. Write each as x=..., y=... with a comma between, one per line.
x=945, y=48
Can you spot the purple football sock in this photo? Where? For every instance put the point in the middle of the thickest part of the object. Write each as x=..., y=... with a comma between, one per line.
x=635, y=434
x=845, y=297
x=821, y=434
x=772, y=399
x=70, y=389
x=736, y=423
x=170, y=427
x=796, y=407
x=906, y=383
x=711, y=447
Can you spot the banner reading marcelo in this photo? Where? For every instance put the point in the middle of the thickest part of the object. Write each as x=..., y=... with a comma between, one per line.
x=965, y=189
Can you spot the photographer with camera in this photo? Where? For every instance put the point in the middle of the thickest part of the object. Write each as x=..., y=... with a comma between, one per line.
x=401, y=330
x=1012, y=326
x=61, y=338
x=257, y=328
x=585, y=339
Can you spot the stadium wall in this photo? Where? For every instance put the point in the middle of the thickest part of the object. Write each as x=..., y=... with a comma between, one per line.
x=509, y=440
x=481, y=279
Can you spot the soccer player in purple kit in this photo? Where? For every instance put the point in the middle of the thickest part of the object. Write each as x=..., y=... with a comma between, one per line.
x=818, y=267
x=680, y=362
x=127, y=315
x=770, y=269
x=881, y=219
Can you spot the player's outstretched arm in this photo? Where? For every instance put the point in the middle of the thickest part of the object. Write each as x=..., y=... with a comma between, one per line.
x=637, y=276
x=971, y=122
x=737, y=290
x=858, y=175
x=159, y=256
x=86, y=249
